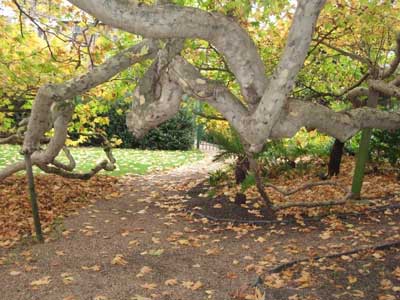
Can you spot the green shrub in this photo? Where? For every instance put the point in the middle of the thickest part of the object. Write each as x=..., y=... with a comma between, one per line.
x=385, y=145
x=217, y=177
x=174, y=134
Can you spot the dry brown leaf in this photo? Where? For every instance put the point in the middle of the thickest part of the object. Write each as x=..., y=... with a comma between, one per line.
x=143, y=271
x=149, y=286
x=119, y=260
x=171, y=282
x=94, y=268
x=42, y=281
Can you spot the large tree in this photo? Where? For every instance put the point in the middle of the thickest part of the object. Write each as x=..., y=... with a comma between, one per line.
x=264, y=109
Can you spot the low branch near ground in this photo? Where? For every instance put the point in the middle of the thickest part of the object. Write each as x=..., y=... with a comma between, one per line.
x=289, y=264
x=12, y=139
x=71, y=161
x=51, y=108
x=107, y=165
x=51, y=93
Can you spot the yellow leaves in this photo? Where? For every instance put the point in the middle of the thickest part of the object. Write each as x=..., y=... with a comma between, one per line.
x=258, y=295
x=346, y=258
x=94, y=268
x=143, y=271
x=119, y=260
x=171, y=282
x=42, y=281
x=387, y=297
x=304, y=280
x=378, y=254
x=396, y=273
x=155, y=240
x=213, y=251
x=149, y=286
x=358, y=294
x=133, y=243
x=15, y=273
x=144, y=50
x=67, y=278
x=386, y=284
x=100, y=297
x=194, y=286
x=261, y=239
x=326, y=235
x=156, y=252
x=274, y=281
x=184, y=242
x=138, y=297
x=352, y=279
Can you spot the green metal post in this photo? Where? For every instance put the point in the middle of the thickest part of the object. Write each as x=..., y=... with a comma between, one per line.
x=362, y=159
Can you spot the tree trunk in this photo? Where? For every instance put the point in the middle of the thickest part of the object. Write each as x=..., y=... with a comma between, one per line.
x=241, y=169
x=254, y=167
x=335, y=158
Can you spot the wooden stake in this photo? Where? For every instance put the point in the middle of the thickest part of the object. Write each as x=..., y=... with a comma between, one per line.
x=33, y=197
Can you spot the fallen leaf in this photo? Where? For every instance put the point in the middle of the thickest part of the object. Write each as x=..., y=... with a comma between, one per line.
x=149, y=286
x=119, y=260
x=197, y=285
x=171, y=282
x=42, y=281
x=156, y=252
x=15, y=273
x=95, y=268
x=143, y=271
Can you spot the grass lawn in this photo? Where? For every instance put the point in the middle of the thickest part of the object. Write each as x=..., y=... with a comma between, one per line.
x=129, y=161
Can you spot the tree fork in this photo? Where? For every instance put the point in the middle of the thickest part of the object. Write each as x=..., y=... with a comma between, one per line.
x=33, y=197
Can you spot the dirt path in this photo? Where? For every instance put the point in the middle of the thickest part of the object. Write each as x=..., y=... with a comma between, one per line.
x=144, y=246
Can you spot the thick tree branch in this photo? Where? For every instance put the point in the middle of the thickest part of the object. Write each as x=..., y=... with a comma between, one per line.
x=172, y=21
x=384, y=88
x=48, y=94
x=282, y=81
x=341, y=125
x=107, y=165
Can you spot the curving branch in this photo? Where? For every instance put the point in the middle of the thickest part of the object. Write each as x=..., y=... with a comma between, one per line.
x=71, y=161
x=387, y=89
x=12, y=139
x=106, y=164
x=395, y=62
x=51, y=108
x=167, y=21
x=50, y=93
